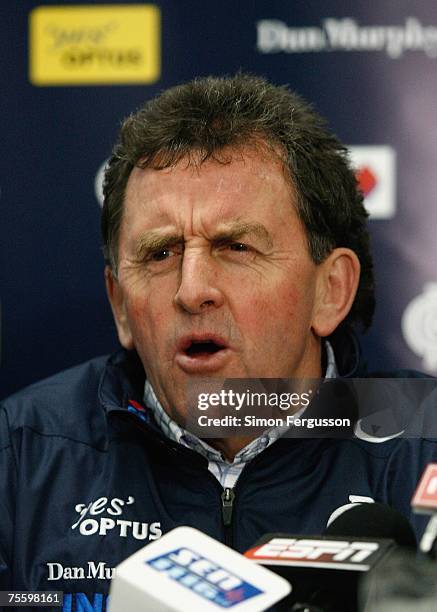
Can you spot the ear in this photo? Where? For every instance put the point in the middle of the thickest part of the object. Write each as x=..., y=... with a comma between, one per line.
x=337, y=286
x=116, y=299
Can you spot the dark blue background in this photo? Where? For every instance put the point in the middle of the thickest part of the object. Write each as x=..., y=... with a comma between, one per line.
x=53, y=305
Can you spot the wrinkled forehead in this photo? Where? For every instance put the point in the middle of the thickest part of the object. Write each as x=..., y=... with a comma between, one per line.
x=244, y=187
x=229, y=172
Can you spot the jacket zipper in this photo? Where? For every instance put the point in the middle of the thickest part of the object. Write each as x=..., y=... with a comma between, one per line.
x=228, y=496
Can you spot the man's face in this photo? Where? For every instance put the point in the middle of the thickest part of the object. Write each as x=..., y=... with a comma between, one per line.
x=214, y=277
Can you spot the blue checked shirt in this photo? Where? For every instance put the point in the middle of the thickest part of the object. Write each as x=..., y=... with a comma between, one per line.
x=226, y=472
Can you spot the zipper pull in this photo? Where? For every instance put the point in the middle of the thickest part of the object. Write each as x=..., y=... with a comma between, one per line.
x=228, y=497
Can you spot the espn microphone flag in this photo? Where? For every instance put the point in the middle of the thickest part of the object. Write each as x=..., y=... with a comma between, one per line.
x=425, y=496
x=323, y=571
x=425, y=501
x=187, y=570
x=318, y=552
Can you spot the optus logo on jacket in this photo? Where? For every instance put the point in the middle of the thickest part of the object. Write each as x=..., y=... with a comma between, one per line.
x=103, y=516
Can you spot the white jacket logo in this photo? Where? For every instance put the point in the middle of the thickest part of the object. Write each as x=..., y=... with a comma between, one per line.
x=419, y=326
x=355, y=500
x=92, y=519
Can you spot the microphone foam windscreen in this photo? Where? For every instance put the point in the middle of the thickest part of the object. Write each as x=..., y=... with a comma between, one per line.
x=374, y=521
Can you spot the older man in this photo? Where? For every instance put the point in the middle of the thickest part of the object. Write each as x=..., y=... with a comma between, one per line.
x=236, y=247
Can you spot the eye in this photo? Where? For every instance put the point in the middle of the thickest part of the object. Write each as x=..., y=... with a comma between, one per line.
x=239, y=247
x=161, y=255
x=164, y=253
x=238, y=252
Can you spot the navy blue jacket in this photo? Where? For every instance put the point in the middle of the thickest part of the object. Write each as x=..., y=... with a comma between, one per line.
x=86, y=479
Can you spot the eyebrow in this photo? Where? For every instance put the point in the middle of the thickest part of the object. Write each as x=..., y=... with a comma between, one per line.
x=154, y=241
x=237, y=230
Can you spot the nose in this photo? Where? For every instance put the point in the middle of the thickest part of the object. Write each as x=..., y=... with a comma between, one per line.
x=199, y=283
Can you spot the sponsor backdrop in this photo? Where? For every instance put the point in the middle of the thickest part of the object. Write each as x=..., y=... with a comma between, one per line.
x=70, y=72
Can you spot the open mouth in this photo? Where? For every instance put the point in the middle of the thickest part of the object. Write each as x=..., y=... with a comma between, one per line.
x=202, y=353
x=203, y=348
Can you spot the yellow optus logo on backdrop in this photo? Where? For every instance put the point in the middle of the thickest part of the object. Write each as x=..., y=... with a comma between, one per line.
x=94, y=45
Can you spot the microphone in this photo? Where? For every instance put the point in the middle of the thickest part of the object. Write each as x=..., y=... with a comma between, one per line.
x=374, y=521
x=402, y=583
x=405, y=582
x=188, y=570
x=425, y=502
x=325, y=570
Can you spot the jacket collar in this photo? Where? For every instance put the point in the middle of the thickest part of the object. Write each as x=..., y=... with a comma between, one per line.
x=347, y=351
x=122, y=381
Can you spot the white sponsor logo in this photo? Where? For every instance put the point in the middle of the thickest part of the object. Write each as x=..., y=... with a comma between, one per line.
x=98, y=182
x=91, y=521
x=419, y=326
x=316, y=550
x=93, y=570
x=355, y=500
x=275, y=36
x=375, y=168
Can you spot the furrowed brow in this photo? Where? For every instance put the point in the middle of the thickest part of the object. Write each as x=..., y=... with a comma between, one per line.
x=152, y=241
x=238, y=231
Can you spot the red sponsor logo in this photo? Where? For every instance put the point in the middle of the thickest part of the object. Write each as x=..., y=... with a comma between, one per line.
x=366, y=180
x=425, y=497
